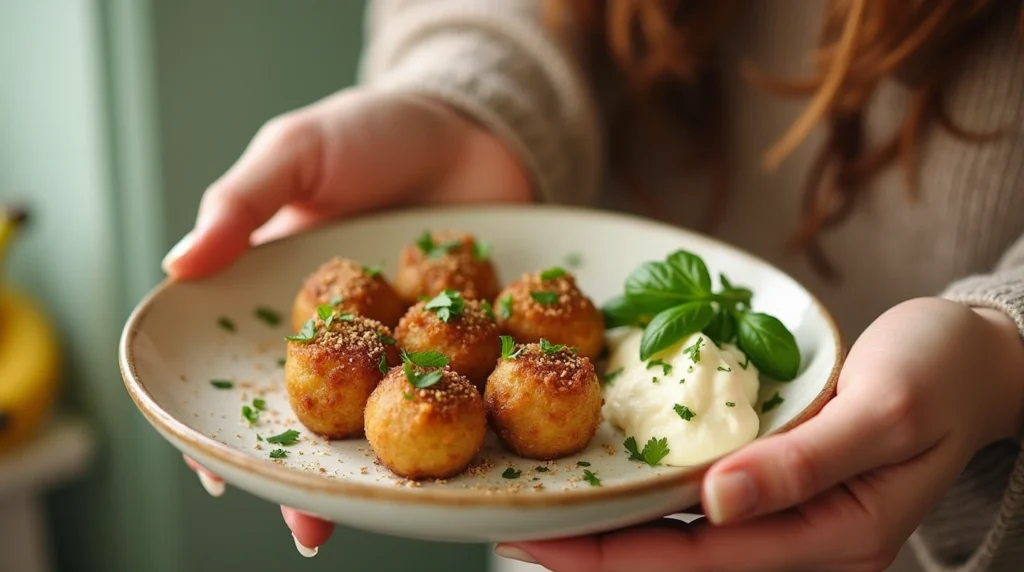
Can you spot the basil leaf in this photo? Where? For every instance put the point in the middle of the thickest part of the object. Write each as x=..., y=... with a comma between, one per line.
x=657, y=286
x=692, y=267
x=619, y=312
x=674, y=324
x=722, y=328
x=769, y=345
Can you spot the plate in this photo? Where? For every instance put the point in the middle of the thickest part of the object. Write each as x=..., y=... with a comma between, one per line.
x=176, y=342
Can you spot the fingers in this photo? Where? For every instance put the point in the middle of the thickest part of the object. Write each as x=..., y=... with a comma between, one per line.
x=857, y=431
x=308, y=531
x=280, y=166
x=213, y=484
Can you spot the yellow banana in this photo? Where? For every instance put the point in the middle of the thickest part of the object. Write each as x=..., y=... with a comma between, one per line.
x=29, y=357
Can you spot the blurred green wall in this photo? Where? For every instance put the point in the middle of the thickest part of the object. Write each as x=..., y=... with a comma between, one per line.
x=114, y=117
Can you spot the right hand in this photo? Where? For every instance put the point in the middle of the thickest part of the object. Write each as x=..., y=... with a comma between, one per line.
x=354, y=151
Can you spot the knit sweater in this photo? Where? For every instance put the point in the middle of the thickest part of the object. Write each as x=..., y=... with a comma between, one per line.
x=963, y=239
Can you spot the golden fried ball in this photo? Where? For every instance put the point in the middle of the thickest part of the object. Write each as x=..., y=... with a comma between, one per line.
x=330, y=375
x=361, y=290
x=469, y=337
x=443, y=260
x=548, y=305
x=544, y=403
x=426, y=433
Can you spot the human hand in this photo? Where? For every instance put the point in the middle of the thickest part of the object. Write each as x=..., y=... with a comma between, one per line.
x=355, y=151
x=926, y=386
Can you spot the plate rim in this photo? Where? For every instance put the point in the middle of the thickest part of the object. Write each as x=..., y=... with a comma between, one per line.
x=282, y=475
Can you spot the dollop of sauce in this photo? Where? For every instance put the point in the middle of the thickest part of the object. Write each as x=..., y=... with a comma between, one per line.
x=696, y=394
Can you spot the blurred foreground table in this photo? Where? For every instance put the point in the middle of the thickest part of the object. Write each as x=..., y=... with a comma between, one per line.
x=59, y=454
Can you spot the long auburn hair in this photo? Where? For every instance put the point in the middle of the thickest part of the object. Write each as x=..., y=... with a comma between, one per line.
x=666, y=51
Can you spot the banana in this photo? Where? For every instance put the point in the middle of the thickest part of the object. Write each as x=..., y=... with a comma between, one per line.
x=29, y=356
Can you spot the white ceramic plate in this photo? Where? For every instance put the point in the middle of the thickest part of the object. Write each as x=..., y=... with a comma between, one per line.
x=172, y=347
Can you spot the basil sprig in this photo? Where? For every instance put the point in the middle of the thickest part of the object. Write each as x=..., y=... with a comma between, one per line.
x=675, y=298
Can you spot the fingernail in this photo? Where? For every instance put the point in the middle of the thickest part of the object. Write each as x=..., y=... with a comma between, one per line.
x=729, y=496
x=213, y=486
x=179, y=249
x=303, y=549
x=513, y=553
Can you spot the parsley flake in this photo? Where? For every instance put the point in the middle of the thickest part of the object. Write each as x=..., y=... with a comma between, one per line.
x=289, y=437
x=278, y=454
x=281, y=362
x=508, y=348
x=382, y=365
x=725, y=369
x=666, y=368
x=693, y=350
x=511, y=473
x=481, y=250
x=582, y=464
x=259, y=437
x=446, y=304
x=773, y=402
x=549, y=348
x=745, y=364
x=544, y=297
x=730, y=404
x=654, y=451
x=552, y=273
x=269, y=317
x=591, y=478
x=250, y=414
x=433, y=250
x=487, y=308
x=226, y=324
x=259, y=403
x=505, y=307
x=541, y=469
x=407, y=396
x=683, y=411
x=654, y=379
x=221, y=383
x=386, y=339
x=372, y=271
x=306, y=334
x=419, y=378
x=611, y=375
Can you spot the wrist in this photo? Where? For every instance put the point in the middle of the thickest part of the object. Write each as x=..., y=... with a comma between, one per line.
x=1008, y=367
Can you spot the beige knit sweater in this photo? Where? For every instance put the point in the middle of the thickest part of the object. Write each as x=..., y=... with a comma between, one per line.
x=495, y=61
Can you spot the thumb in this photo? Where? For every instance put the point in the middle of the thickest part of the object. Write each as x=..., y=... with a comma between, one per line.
x=308, y=531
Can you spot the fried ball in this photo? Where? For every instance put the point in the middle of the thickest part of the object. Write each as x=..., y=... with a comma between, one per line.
x=362, y=291
x=433, y=432
x=548, y=305
x=443, y=260
x=331, y=369
x=468, y=337
x=545, y=402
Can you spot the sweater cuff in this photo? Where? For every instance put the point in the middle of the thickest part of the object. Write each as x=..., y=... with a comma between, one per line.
x=506, y=74
x=1003, y=291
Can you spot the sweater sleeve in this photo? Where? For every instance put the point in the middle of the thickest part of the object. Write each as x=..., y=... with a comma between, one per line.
x=496, y=62
x=979, y=525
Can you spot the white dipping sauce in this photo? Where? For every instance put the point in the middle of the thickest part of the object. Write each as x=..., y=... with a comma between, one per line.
x=716, y=388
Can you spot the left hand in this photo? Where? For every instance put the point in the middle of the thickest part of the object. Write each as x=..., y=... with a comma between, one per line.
x=926, y=386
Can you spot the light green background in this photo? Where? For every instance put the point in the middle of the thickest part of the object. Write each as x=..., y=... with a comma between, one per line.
x=114, y=116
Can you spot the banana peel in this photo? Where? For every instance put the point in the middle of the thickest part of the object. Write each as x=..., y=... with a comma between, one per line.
x=29, y=356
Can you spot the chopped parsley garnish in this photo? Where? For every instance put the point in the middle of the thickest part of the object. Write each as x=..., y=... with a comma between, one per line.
x=278, y=454
x=481, y=250
x=775, y=401
x=574, y=260
x=259, y=437
x=221, y=383
x=508, y=348
x=446, y=304
x=730, y=404
x=386, y=339
x=250, y=414
x=654, y=451
x=682, y=381
x=505, y=307
x=549, y=348
x=683, y=411
x=582, y=464
x=372, y=271
x=544, y=296
x=693, y=350
x=419, y=378
x=487, y=308
x=429, y=358
x=725, y=369
x=541, y=469
x=654, y=379
x=432, y=249
x=591, y=478
x=269, y=317
x=666, y=368
x=306, y=334
x=327, y=314
x=552, y=273
x=226, y=323
x=745, y=364
x=281, y=362
x=289, y=437
x=611, y=375
x=511, y=473
x=408, y=396
x=382, y=365
x=259, y=403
